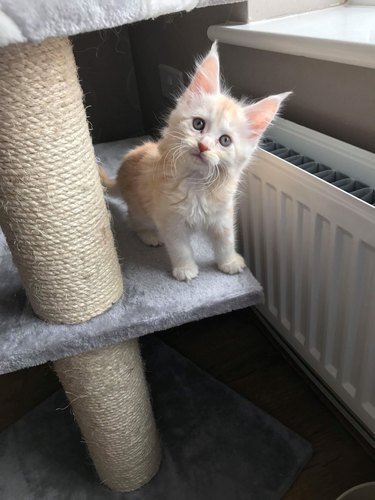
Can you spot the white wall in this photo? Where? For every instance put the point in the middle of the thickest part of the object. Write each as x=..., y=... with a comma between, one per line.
x=265, y=9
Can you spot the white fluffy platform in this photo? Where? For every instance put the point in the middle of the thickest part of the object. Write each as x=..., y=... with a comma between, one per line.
x=36, y=20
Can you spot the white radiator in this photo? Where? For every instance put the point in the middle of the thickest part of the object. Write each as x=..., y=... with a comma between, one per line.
x=312, y=246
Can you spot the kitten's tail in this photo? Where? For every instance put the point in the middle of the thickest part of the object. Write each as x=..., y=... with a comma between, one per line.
x=110, y=184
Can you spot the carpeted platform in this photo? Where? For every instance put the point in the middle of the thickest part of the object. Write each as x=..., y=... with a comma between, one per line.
x=217, y=445
x=153, y=299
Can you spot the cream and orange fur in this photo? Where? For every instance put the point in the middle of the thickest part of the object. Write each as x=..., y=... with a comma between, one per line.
x=189, y=178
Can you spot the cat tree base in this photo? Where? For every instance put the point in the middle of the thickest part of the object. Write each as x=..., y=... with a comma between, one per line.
x=109, y=396
x=57, y=225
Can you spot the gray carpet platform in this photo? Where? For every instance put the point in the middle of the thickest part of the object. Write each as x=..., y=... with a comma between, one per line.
x=153, y=299
x=216, y=444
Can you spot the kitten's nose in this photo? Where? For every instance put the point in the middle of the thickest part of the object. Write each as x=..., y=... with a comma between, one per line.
x=202, y=147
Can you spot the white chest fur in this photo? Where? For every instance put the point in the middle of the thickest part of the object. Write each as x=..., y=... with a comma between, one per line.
x=199, y=208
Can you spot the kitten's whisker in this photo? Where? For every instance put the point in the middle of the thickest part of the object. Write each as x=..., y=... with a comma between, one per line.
x=166, y=161
x=176, y=133
x=217, y=183
x=176, y=155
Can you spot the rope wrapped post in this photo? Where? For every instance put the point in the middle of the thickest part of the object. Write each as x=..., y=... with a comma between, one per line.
x=52, y=208
x=109, y=396
x=54, y=217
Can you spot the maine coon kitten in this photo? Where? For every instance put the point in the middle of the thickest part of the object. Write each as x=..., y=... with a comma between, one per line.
x=188, y=179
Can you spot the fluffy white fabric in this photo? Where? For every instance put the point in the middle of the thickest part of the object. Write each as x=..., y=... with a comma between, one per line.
x=35, y=20
x=9, y=31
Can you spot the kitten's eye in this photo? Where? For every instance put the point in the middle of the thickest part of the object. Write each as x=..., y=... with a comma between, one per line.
x=225, y=140
x=198, y=123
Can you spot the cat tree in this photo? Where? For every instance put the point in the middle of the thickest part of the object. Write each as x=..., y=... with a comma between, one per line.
x=58, y=228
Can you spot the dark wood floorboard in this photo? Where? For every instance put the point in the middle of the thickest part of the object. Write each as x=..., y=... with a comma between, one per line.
x=22, y=390
x=235, y=349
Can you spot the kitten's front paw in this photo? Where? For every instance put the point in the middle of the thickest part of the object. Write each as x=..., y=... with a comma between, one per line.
x=150, y=238
x=234, y=265
x=185, y=273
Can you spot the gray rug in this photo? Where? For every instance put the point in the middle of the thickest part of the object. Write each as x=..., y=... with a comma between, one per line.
x=217, y=445
x=153, y=299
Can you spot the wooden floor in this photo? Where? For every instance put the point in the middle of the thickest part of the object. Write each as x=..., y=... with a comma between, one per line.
x=23, y=390
x=235, y=349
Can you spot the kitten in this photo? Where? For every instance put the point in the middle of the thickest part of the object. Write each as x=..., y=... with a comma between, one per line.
x=188, y=179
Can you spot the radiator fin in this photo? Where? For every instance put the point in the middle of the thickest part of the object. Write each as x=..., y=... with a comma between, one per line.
x=319, y=272
x=285, y=278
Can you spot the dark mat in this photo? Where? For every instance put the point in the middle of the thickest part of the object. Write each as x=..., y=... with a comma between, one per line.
x=217, y=445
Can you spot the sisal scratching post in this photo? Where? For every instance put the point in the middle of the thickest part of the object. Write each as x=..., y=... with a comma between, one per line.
x=52, y=208
x=109, y=396
x=54, y=216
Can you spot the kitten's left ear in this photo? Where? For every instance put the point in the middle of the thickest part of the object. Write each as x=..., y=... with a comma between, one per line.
x=206, y=78
x=261, y=114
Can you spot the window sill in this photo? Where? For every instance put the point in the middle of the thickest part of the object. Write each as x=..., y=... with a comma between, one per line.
x=344, y=34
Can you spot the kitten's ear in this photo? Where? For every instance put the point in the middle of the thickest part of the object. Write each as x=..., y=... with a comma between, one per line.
x=261, y=114
x=206, y=78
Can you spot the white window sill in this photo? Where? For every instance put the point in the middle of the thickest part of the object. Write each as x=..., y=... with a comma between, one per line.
x=344, y=34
